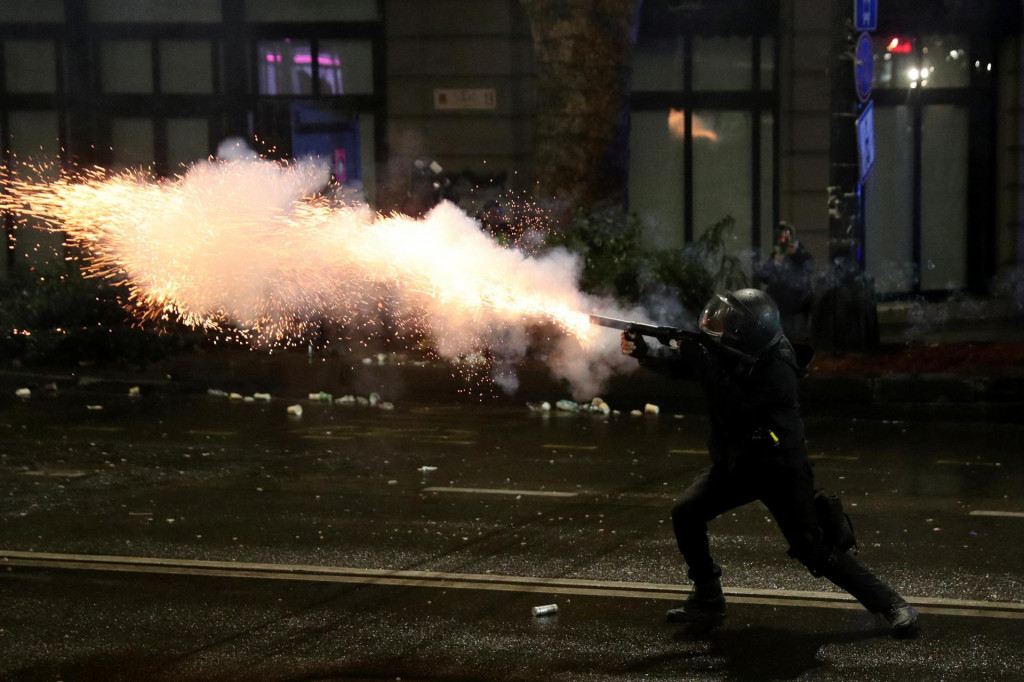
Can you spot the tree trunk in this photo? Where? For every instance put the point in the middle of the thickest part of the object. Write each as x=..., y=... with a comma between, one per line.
x=583, y=53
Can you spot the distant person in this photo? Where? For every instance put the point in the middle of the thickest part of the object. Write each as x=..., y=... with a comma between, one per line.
x=748, y=371
x=786, y=276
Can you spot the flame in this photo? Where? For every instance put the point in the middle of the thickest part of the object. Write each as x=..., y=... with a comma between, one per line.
x=249, y=245
x=677, y=126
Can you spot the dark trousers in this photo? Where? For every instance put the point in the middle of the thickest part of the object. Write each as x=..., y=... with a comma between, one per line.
x=787, y=489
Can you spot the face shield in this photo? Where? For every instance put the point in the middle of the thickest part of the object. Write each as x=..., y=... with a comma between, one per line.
x=713, y=319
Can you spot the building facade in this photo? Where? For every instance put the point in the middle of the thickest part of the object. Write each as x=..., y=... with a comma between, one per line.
x=731, y=110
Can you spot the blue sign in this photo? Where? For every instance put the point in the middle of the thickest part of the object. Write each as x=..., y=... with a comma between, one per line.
x=863, y=67
x=866, y=140
x=865, y=15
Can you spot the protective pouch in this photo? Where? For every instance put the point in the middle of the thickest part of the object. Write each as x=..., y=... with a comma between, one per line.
x=835, y=523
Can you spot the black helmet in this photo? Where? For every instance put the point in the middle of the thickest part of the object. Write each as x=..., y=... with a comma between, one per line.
x=745, y=321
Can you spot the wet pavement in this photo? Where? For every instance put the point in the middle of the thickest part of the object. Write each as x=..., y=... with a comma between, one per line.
x=191, y=537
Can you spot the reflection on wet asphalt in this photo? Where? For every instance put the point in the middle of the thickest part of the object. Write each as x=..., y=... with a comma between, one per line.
x=473, y=490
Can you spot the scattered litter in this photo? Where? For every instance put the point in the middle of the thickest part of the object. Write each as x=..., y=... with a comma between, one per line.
x=94, y=407
x=426, y=469
x=235, y=396
x=360, y=400
x=567, y=406
x=386, y=406
x=381, y=358
x=216, y=392
x=546, y=610
x=295, y=410
x=134, y=392
x=636, y=413
x=367, y=361
x=392, y=482
x=23, y=393
x=346, y=400
x=539, y=407
x=651, y=409
x=374, y=399
x=248, y=399
x=265, y=397
x=321, y=397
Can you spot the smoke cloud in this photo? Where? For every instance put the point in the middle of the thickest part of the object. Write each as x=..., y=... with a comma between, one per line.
x=245, y=246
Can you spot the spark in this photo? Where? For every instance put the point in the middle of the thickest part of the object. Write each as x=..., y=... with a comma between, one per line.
x=254, y=248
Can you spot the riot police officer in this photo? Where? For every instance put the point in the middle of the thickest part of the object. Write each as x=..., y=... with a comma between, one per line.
x=748, y=371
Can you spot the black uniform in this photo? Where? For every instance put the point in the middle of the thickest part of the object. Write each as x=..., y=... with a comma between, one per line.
x=758, y=452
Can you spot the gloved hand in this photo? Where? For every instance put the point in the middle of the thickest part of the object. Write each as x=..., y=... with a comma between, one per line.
x=633, y=344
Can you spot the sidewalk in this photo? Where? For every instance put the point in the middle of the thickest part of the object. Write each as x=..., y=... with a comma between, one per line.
x=938, y=376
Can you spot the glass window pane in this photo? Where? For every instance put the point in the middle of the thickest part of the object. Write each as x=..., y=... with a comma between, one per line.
x=34, y=134
x=656, y=177
x=285, y=67
x=722, y=157
x=34, y=140
x=311, y=10
x=767, y=63
x=888, y=214
x=30, y=66
x=658, y=64
x=31, y=11
x=944, y=62
x=944, y=197
x=188, y=141
x=722, y=64
x=154, y=11
x=186, y=66
x=346, y=67
x=767, y=181
x=368, y=156
x=132, y=142
x=126, y=66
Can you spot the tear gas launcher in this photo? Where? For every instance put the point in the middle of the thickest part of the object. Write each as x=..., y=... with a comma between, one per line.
x=665, y=335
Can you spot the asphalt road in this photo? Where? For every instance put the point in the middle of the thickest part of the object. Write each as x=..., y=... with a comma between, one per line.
x=169, y=537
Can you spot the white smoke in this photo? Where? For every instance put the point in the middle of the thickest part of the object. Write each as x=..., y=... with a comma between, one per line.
x=245, y=242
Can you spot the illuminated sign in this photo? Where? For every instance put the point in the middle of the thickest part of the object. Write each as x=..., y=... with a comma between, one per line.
x=866, y=140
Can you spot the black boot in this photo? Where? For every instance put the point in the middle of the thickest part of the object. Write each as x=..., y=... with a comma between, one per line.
x=903, y=619
x=706, y=601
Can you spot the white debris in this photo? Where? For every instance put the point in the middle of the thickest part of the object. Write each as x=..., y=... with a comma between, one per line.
x=636, y=413
x=94, y=408
x=392, y=482
x=360, y=400
x=248, y=399
x=539, y=407
x=367, y=361
x=265, y=397
x=216, y=392
x=321, y=397
x=651, y=409
x=374, y=399
x=381, y=358
x=567, y=406
x=386, y=406
x=295, y=410
x=134, y=392
x=426, y=469
x=23, y=393
x=236, y=396
x=346, y=400
x=546, y=610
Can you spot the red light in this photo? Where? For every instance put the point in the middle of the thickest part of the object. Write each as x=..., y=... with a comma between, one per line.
x=897, y=46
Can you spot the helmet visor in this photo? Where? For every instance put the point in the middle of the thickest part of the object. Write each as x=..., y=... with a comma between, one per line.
x=712, y=320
